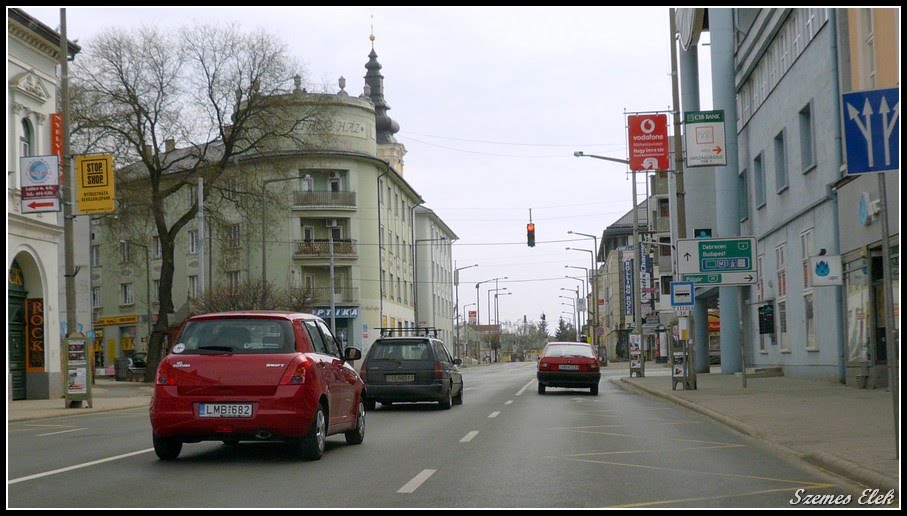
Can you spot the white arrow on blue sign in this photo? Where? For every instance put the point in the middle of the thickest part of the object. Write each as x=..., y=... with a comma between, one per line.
x=871, y=130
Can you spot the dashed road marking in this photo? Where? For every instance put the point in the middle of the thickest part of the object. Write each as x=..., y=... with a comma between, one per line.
x=417, y=481
x=61, y=432
x=494, y=414
x=468, y=437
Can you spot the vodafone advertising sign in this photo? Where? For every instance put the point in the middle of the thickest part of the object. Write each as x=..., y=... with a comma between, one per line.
x=648, y=137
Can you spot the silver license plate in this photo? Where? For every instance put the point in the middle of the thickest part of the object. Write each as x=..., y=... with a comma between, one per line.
x=399, y=378
x=568, y=367
x=224, y=410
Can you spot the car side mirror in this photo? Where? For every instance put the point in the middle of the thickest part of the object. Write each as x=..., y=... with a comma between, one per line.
x=351, y=353
x=457, y=361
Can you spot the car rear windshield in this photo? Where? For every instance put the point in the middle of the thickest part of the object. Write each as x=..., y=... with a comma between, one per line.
x=569, y=350
x=402, y=349
x=236, y=336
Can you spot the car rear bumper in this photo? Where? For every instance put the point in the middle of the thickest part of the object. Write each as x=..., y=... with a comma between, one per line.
x=568, y=378
x=285, y=415
x=385, y=392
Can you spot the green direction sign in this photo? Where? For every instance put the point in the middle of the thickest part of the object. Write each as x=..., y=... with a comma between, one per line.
x=716, y=255
x=724, y=278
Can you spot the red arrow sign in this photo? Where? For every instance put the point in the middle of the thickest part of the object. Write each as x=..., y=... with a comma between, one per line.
x=717, y=150
x=34, y=205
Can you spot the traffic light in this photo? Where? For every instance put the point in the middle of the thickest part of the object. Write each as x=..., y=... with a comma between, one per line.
x=530, y=234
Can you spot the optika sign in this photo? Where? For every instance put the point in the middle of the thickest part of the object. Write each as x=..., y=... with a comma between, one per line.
x=648, y=137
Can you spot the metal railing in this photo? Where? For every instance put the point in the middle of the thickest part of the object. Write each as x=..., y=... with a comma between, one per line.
x=326, y=198
x=321, y=248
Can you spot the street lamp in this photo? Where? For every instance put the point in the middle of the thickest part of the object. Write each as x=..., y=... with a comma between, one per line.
x=264, y=205
x=497, y=317
x=575, y=291
x=478, y=315
x=456, y=276
x=594, y=291
x=489, y=300
x=147, y=282
x=575, y=314
x=594, y=309
x=636, y=250
x=574, y=318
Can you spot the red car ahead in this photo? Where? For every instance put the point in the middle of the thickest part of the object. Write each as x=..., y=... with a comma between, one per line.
x=257, y=376
x=568, y=364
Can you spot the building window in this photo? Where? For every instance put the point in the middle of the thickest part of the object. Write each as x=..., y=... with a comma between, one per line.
x=193, y=241
x=335, y=183
x=156, y=291
x=305, y=182
x=664, y=208
x=780, y=163
x=308, y=233
x=868, y=61
x=234, y=236
x=807, y=140
x=193, y=194
x=26, y=144
x=95, y=258
x=234, y=279
x=780, y=271
x=744, y=195
x=760, y=286
x=156, y=245
x=193, y=287
x=807, y=249
x=126, y=294
x=125, y=253
x=759, y=181
x=96, y=297
x=664, y=247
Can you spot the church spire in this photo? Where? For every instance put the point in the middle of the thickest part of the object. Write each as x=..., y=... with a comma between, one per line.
x=385, y=127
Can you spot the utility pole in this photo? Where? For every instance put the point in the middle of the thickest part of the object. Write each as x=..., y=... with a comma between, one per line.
x=68, y=187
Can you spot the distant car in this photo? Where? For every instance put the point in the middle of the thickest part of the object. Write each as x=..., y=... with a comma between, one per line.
x=411, y=368
x=257, y=376
x=568, y=364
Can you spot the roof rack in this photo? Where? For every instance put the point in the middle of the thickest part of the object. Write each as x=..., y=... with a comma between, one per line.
x=423, y=331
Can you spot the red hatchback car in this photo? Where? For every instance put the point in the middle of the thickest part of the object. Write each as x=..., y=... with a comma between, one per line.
x=568, y=364
x=257, y=376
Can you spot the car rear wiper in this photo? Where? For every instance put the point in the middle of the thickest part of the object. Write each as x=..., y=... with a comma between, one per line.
x=217, y=348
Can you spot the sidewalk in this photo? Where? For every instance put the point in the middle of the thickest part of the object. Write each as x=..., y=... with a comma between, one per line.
x=846, y=431
x=106, y=394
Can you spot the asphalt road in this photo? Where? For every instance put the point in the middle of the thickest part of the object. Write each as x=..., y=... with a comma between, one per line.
x=505, y=447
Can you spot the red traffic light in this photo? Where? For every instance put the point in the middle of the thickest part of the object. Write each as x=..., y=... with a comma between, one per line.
x=530, y=234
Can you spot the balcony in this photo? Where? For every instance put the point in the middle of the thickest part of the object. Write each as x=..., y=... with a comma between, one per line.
x=345, y=295
x=324, y=199
x=321, y=248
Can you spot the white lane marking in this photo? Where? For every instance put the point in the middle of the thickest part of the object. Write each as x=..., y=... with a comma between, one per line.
x=508, y=402
x=468, y=388
x=61, y=432
x=79, y=466
x=468, y=437
x=521, y=391
x=494, y=414
x=417, y=481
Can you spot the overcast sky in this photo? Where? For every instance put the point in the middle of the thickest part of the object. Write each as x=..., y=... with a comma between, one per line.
x=492, y=103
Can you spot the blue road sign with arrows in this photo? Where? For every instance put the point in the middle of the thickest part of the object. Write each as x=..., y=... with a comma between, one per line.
x=871, y=130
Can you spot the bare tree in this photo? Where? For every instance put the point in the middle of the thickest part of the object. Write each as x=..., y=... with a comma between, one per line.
x=253, y=294
x=178, y=107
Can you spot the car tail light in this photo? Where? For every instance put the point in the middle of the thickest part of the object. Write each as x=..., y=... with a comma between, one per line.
x=594, y=365
x=295, y=373
x=543, y=365
x=438, y=374
x=165, y=374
